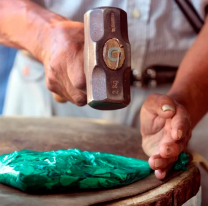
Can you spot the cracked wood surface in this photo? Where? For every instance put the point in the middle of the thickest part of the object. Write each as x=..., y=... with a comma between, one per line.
x=44, y=134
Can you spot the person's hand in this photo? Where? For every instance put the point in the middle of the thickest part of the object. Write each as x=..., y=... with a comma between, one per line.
x=54, y=40
x=62, y=56
x=165, y=130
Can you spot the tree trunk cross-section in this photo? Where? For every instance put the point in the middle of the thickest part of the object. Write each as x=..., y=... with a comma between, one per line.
x=43, y=134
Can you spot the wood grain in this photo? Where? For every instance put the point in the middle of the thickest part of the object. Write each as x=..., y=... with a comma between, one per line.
x=44, y=134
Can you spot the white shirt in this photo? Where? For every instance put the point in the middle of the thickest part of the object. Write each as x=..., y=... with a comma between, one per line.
x=159, y=34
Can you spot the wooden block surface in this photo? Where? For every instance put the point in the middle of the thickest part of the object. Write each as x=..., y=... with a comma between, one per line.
x=44, y=134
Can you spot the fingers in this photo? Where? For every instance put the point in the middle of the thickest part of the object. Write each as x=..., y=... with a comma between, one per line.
x=165, y=128
x=59, y=98
x=154, y=113
x=164, y=107
x=59, y=83
x=161, y=165
x=161, y=105
x=78, y=79
x=168, y=154
x=162, y=173
x=157, y=162
x=171, y=149
x=63, y=61
x=180, y=124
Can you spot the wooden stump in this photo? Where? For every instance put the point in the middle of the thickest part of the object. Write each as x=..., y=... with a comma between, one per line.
x=44, y=134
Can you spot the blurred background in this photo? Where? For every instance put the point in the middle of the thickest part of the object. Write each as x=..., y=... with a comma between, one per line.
x=7, y=56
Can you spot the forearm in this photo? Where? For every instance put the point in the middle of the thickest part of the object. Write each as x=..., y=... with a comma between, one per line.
x=24, y=25
x=190, y=87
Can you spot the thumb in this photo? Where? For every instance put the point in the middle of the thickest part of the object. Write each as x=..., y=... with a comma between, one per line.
x=161, y=105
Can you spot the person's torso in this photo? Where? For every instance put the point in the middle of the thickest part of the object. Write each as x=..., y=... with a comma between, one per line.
x=159, y=33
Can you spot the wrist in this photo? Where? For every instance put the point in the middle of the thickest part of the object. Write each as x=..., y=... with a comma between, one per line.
x=26, y=25
x=57, y=34
x=43, y=34
x=188, y=96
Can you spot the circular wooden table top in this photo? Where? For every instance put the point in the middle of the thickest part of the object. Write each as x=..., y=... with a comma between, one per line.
x=43, y=134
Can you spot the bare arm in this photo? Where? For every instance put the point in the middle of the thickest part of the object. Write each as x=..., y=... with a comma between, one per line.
x=24, y=23
x=190, y=87
x=165, y=119
x=54, y=40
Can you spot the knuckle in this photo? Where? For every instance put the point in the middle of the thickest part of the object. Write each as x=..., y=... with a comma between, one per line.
x=51, y=76
x=51, y=83
x=181, y=108
x=165, y=98
x=59, y=98
x=54, y=67
x=152, y=96
x=79, y=83
x=79, y=99
x=74, y=46
x=50, y=86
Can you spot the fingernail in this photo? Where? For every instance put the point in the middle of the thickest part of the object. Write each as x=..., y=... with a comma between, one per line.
x=180, y=134
x=167, y=107
x=168, y=150
x=158, y=163
x=163, y=174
